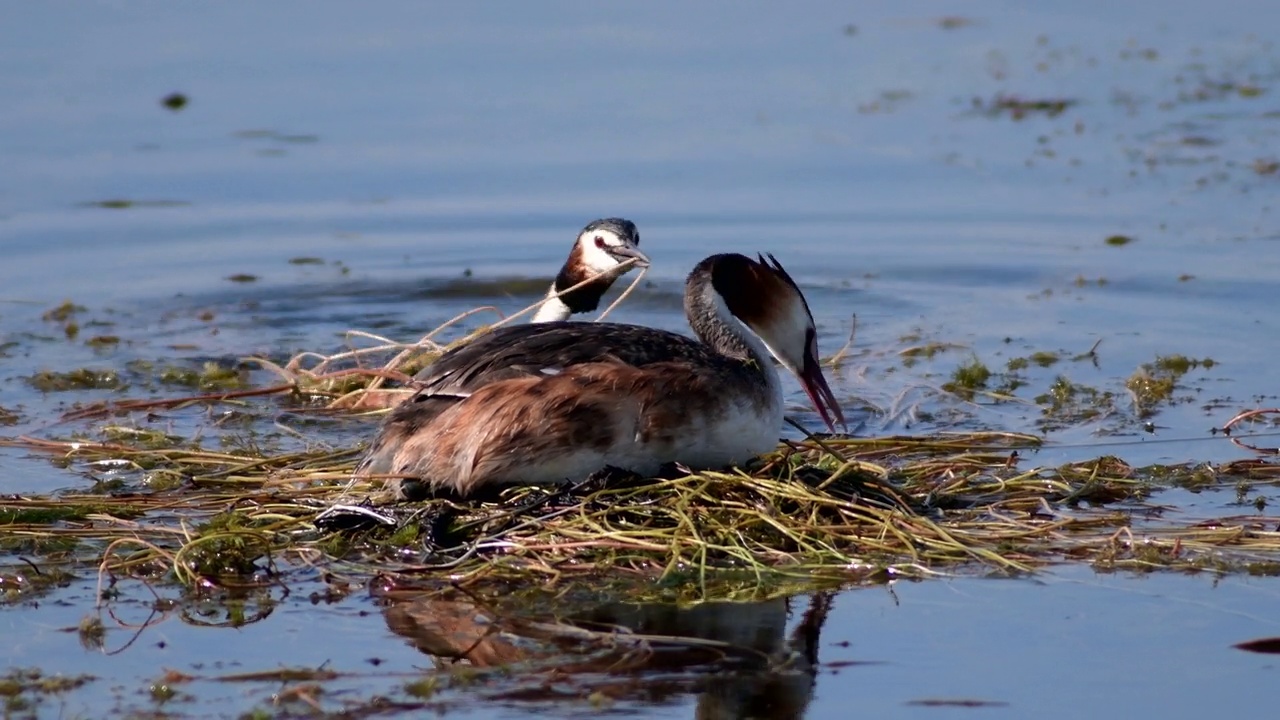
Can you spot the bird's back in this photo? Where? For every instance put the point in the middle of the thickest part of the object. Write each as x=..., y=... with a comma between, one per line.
x=545, y=348
x=540, y=351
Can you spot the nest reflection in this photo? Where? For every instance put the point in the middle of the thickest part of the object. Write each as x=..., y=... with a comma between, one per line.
x=740, y=659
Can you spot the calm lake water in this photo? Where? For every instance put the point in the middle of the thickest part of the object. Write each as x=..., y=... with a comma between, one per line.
x=867, y=146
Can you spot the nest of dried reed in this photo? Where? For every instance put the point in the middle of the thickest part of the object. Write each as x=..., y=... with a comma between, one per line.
x=824, y=510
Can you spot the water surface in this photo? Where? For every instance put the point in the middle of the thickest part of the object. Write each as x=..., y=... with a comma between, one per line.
x=406, y=146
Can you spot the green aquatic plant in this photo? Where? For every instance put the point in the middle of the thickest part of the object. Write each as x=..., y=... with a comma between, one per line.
x=968, y=379
x=24, y=690
x=1154, y=383
x=1044, y=359
x=79, y=379
x=64, y=312
x=927, y=351
x=1067, y=403
x=1017, y=108
x=211, y=376
x=103, y=341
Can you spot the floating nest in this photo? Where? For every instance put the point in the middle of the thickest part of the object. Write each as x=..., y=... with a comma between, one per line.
x=822, y=510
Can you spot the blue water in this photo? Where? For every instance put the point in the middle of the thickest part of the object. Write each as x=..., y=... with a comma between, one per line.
x=1068, y=644
x=406, y=143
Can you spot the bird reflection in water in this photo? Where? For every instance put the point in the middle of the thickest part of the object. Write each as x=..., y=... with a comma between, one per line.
x=738, y=658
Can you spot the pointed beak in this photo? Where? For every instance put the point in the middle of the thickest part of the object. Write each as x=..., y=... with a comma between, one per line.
x=625, y=252
x=820, y=394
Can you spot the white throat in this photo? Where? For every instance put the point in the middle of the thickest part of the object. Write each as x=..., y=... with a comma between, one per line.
x=553, y=309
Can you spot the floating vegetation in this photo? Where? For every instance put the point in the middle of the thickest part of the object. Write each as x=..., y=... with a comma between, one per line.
x=63, y=312
x=1209, y=89
x=210, y=376
x=174, y=101
x=1118, y=240
x=1266, y=166
x=968, y=378
x=1019, y=108
x=124, y=204
x=242, y=278
x=81, y=379
x=913, y=353
x=24, y=689
x=886, y=102
x=297, y=138
x=1044, y=359
x=1067, y=403
x=953, y=22
x=1154, y=383
x=827, y=509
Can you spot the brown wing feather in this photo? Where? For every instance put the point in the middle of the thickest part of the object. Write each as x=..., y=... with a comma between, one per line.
x=482, y=439
x=511, y=430
x=518, y=350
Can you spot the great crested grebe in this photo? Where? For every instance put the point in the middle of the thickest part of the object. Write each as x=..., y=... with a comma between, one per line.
x=555, y=402
x=602, y=247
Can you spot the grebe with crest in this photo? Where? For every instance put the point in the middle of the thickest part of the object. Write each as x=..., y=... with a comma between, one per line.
x=603, y=246
x=554, y=402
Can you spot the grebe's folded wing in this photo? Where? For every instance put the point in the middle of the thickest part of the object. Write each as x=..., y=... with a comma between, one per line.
x=533, y=350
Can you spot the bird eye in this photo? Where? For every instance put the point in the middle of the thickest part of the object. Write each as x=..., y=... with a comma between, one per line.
x=600, y=241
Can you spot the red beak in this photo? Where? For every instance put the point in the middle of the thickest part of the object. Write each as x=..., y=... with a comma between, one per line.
x=820, y=393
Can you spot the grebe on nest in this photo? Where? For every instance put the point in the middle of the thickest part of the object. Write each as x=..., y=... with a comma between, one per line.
x=553, y=402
